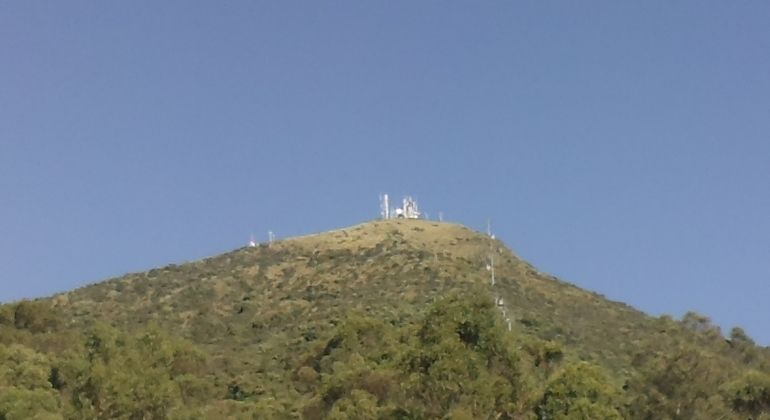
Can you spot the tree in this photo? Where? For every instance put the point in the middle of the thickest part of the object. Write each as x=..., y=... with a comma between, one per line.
x=680, y=384
x=6, y=315
x=25, y=392
x=463, y=358
x=750, y=394
x=35, y=316
x=358, y=405
x=457, y=360
x=580, y=391
x=142, y=376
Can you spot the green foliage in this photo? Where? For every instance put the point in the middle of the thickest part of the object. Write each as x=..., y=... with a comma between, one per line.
x=456, y=359
x=22, y=404
x=580, y=391
x=389, y=319
x=144, y=375
x=6, y=315
x=25, y=392
x=738, y=336
x=750, y=394
x=463, y=358
x=358, y=405
x=35, y=316
x=682, y=384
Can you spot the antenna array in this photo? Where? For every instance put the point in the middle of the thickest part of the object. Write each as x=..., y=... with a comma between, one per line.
x=499, y=303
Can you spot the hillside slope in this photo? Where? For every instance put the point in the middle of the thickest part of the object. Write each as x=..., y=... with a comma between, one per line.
x=383, y=268
x=258, y=316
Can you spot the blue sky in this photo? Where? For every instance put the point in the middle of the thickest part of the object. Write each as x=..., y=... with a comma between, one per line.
x=622, y=146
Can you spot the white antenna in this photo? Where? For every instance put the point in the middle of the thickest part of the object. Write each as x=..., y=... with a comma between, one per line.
x=492, y=268
x=440, y=216
x=384, y=206
x=252, y=242
x=410, y=210
x=270, y=237
x=489, y=227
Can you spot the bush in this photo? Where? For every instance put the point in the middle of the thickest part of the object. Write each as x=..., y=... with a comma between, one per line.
x=35, y=316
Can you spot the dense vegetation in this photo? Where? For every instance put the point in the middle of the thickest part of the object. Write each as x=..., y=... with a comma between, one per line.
x=382, y=320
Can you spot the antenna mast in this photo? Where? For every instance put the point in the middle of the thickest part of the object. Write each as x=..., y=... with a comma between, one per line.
x=384, y=206
x=492, y=267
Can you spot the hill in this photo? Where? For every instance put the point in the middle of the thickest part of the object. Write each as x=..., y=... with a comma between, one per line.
x=387, y=319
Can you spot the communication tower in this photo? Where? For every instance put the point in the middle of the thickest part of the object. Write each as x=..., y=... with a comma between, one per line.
x=408, y=210
x=384, y=207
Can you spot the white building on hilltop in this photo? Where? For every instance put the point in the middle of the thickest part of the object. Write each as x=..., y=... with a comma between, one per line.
x=408, y=210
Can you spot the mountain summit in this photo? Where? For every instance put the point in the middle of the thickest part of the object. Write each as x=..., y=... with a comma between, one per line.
x=386, y=319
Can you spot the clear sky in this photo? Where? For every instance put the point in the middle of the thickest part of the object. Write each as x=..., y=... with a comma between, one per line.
x=622, y=146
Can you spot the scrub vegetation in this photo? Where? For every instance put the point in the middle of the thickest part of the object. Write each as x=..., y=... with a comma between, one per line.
x=385, y=320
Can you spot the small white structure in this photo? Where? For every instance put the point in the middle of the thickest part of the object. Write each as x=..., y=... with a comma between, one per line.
x=408, y=209
x=252, y=242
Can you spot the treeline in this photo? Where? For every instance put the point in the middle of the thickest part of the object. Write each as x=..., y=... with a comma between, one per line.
x=48, y=372
x=460, y=362
x=456, y=360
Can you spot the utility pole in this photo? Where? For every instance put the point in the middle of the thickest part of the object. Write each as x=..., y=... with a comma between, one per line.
x=492, y=267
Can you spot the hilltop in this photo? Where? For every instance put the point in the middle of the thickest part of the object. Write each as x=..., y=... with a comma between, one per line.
x=371, y=320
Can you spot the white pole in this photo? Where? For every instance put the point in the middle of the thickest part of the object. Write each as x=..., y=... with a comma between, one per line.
x=492, y=264
x=386, y=204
